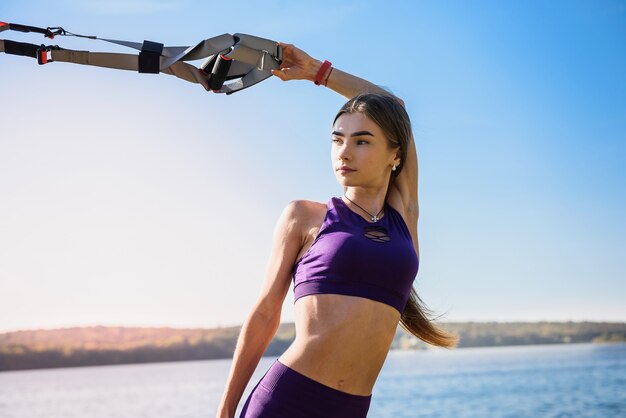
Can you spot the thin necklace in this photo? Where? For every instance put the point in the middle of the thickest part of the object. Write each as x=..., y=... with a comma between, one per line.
x=374, y=218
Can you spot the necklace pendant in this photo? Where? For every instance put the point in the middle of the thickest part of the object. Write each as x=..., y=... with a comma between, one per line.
x=375, y=218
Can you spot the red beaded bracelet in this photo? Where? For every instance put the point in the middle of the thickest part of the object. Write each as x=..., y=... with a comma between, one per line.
x=321, y=72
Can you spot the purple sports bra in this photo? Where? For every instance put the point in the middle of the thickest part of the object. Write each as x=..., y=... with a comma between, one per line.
x=351, y=256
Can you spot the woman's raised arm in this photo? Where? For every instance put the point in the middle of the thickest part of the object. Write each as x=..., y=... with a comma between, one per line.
x=402, y=193
x=298, y=65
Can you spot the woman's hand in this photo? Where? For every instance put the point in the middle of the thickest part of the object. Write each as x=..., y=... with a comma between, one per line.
x=296, y=65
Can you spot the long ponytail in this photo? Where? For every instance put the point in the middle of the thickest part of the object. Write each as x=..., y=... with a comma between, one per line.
x=417, y=319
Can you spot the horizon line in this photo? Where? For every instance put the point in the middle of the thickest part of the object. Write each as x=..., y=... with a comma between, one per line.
x=61, y=327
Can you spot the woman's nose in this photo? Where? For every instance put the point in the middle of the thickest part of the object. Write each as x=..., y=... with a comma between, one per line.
x=344, y=153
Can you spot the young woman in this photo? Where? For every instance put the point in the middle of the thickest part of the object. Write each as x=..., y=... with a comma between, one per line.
x=353, y=261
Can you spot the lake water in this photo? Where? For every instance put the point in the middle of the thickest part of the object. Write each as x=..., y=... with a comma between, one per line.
x=579, y=380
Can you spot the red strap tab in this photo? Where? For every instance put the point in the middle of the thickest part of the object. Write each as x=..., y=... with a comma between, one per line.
x=43, y=57
x=3, y=24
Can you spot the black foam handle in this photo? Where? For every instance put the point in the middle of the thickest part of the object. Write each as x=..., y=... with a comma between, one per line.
x=219, y=72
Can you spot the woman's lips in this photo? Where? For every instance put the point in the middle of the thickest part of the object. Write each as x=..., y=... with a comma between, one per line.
x=345, y=170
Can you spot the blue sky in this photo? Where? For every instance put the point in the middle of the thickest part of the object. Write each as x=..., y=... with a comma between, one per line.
x=133, y=199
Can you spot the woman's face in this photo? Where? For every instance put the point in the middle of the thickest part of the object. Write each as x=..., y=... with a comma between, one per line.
x=360, y=153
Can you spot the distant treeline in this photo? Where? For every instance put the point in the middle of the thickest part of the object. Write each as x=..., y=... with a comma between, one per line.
x=93, y=346
x=488, y=334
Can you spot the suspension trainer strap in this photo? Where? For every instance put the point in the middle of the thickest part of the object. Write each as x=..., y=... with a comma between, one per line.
x=232, y=62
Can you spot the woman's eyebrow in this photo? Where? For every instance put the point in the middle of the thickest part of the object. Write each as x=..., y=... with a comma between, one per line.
x=359, y=133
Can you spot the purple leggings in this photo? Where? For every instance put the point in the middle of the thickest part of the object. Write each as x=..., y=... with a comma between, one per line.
x=285, y=393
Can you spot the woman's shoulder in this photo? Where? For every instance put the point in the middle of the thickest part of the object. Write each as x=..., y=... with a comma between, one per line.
x=306, y=212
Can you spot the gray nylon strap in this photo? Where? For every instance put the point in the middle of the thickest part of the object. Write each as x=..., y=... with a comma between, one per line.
x=244, y=54
x=239, y=69
x=133, y=45
x=255, y=42
x=250, y=79
x=208, y=47
x=203, y=49
x=255, y=51
x=168, y=51
x=97, y=59
x=130, y=62
x=253, y=58
x=261, y=55
x=189, y=73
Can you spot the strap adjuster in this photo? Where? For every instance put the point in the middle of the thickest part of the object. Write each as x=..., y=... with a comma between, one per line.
x=42, y=54
x=150, y=57
x=52, y=32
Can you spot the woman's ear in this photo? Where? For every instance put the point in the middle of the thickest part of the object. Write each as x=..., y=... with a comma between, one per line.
x=398, y=159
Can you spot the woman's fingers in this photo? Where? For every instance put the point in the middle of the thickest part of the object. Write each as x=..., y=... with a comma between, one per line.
x=294, y=63
x=284, y=74
x=280, y=74
x=288, y=73
x=292, y=55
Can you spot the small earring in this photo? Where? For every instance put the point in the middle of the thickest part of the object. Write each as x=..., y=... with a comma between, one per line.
x=393, y=168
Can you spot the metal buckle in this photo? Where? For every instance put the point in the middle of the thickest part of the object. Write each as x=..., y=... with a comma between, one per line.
x=260, y=64
x=279, y=54
x=52, y=32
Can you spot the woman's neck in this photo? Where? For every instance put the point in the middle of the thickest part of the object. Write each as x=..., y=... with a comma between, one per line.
x=369, y=199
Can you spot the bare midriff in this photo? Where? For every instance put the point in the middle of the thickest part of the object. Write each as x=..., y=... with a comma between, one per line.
x=341, y=341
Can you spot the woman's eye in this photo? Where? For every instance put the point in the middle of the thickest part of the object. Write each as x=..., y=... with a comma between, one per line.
x=362, y=142
x=336, y=141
